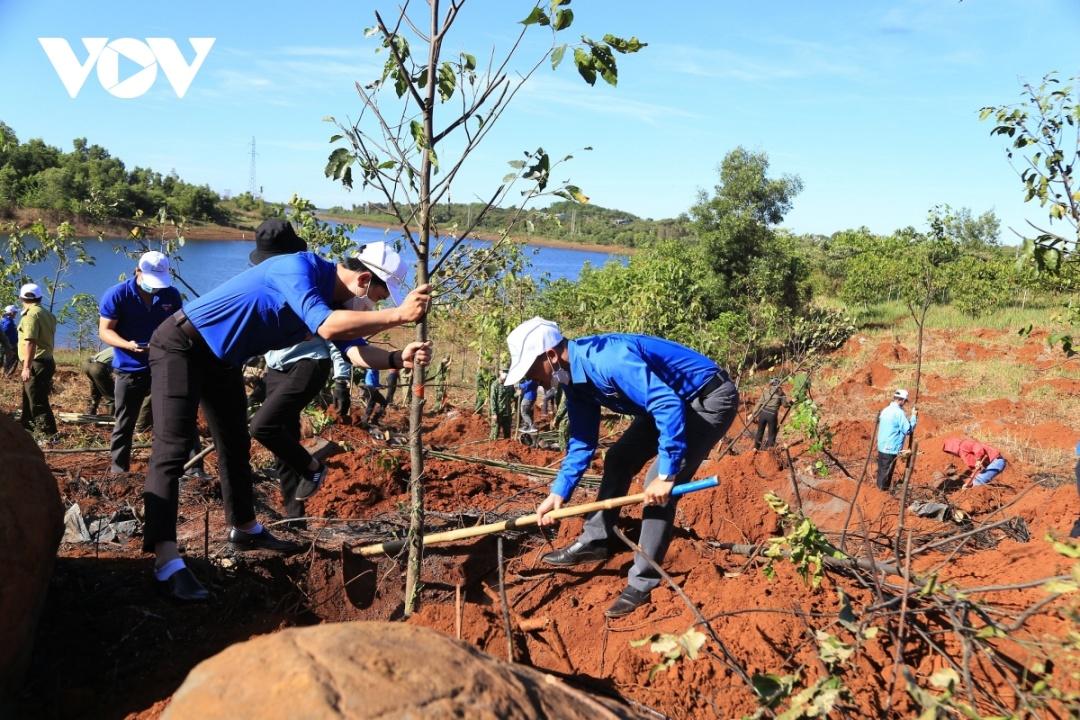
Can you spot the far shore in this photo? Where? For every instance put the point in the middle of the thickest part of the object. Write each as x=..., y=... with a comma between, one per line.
x=210, y=231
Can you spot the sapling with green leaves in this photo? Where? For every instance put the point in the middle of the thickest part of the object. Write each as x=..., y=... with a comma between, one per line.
x=397, y=147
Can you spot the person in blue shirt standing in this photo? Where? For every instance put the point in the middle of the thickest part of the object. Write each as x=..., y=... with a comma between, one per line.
x=893, y=427
x=130, y=313
x=9, y=339
x=682, y=405
x=294, y=376
x=198, y=354
x=528, y=402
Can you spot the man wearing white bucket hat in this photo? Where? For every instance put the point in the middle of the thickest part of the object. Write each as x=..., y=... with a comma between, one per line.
x=198, y=354
x=130, y=312
x=37, y=333
x=682, y=405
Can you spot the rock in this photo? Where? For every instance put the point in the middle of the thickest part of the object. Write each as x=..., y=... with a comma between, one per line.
x=374, y=670
x=75, y=530
x=31, y=524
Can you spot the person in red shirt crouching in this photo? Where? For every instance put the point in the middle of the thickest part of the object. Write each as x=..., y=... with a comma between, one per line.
x=984, y=461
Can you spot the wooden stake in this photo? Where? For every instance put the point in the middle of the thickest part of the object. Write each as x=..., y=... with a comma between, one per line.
x=459, y=610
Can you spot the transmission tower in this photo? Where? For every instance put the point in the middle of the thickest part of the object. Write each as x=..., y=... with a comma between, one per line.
x=252, y=187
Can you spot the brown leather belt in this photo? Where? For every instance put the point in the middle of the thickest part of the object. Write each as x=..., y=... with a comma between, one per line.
x=185, y=325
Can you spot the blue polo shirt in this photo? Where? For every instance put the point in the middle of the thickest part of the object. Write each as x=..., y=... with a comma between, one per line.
x=273, y=305
x=10, y=328
x=135, y=320
x=632, y=375
x=528, y=389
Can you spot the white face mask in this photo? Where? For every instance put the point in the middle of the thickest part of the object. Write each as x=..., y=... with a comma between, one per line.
x=360, y=303
x=559, y=376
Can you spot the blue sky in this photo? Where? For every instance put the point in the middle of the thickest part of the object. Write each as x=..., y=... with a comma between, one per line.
x=873, y=104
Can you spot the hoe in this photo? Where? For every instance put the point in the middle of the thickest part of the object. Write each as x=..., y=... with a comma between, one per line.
x=362, y=583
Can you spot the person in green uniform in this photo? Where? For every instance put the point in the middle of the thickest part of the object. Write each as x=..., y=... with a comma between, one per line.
x=37, y=333
x=501, y=402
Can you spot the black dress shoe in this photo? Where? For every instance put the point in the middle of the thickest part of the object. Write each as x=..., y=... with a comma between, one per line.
x=183, y=586
x=629, y=600
x=264, y=540
x=576, y=554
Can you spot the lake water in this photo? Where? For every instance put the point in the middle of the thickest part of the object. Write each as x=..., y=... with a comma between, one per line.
x=206, y=264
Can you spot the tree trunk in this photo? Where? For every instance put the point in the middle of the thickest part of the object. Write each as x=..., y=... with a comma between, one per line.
x=416, y=410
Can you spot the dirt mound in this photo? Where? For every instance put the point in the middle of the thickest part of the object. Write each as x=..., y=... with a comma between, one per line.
x=373, y=670
x=31, y=524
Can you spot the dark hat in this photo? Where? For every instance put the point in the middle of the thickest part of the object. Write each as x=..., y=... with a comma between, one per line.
x=275, y=237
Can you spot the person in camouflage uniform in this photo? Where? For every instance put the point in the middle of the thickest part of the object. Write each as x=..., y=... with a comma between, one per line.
x=440, y=378
x=501, y=402
x=483, y=383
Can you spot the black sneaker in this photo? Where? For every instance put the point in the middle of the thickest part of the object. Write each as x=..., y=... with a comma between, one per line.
x=311, y=482
x=264, y=540
x=183, y=586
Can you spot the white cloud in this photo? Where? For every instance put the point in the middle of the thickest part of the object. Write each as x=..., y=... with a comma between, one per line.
x=557, y=91
x=775, y=59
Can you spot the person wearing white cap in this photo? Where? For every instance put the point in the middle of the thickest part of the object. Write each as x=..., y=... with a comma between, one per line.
x=198, y=354
x=130, y=312
x=682, y=405
x=37, y=333
x=9, y=339
x=893, y=427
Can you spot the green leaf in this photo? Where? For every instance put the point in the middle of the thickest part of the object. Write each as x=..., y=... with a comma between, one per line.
x=557, y=56
x=335, y=138
x=517, y=164
x=563, y=18
x=944, y=678
x=585, y=67
x=624, y=46
x=468, y=61
x=537, y=16
x=577, y=195
x=418, y=133
x=447, y=81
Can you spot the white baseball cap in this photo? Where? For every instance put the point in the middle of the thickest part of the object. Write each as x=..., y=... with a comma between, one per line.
x=155, y=269
x=528, y=341
x=10, y=309
x=900, y=394
x=30, y=291
x=382, y=260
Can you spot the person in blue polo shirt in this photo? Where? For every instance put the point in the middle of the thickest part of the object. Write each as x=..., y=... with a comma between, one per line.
x=198, y=354
x=682, y=405
x=376, y=402
x=130, y=313
x=9, y=338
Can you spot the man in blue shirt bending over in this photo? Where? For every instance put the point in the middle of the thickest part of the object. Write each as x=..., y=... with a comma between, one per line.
x=198, y=353
x=893, y=427
x=130, y=313
x=682, y=405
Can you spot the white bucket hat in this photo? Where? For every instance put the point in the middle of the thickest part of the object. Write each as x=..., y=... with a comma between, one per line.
x=527, y=341
x=387, y=266
x=10, y=309
x=155, y=269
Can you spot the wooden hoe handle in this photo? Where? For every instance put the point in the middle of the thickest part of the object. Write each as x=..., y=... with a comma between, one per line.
x=394, y=546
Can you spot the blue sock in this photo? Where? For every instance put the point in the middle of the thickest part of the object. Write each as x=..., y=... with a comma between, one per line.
x=255, y=530
x=169, y=569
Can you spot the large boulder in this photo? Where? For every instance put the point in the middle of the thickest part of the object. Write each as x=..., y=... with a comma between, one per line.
x=31, y=524
x=373, y=670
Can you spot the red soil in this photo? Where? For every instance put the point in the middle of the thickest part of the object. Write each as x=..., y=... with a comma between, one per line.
x=751, y=614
